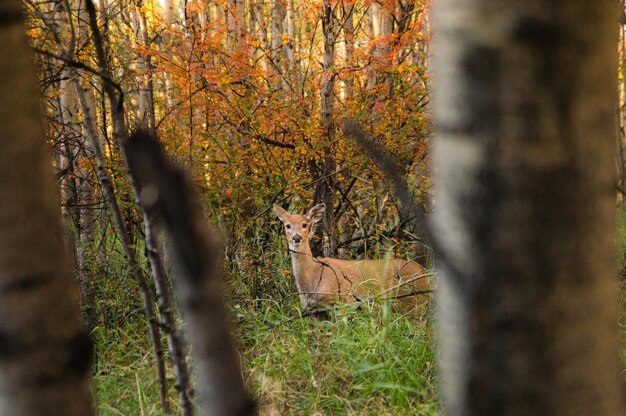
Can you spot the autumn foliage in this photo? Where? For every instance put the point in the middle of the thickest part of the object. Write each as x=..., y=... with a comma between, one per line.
x=236, y=94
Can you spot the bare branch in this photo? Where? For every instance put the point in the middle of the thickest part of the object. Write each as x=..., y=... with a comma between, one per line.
x=411, y=211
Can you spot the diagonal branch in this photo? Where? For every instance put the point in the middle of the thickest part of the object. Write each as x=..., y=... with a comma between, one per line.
x=410, y=210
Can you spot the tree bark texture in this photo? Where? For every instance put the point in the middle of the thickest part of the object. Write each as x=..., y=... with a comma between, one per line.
x=326, y=188
x=167, y=313
x=524, y=223
x=44, y=351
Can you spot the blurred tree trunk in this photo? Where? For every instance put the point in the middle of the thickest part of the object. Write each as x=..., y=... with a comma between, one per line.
x=197, y=250
x=44, y=351
x=524, y=223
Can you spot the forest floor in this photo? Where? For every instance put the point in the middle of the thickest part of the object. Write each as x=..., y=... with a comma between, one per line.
x=370, y=361
x=366, y=362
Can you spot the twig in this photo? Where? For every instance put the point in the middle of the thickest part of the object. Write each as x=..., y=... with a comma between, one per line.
x=79, y=65
x=406, y=282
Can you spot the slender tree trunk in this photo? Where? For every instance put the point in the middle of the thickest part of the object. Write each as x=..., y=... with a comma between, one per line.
x=45, y=353
x=291, y=43
x=146, y=115
x=66, y=157
x=106, y=183
x=330, y=27
x=236, y=23
x=75, y=190
x=349, y=42
x=197, y=249
x=372, y=30
x=165, y=302
x=621, y=113
x=170, y=17
x=262, y=33
x=524, y=223
x=384, y=52
x=277, y=55
x=86, y=195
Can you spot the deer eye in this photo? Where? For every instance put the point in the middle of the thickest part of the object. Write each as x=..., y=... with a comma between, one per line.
x=304, y=225
x=288, y=226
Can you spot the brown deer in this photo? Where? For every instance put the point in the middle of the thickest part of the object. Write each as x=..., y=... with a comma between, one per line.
x=323, y=282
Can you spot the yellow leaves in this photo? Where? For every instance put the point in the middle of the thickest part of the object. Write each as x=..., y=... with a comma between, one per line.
x=301, y=151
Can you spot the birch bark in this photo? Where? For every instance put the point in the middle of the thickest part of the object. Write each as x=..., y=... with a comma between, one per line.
x=524, y=224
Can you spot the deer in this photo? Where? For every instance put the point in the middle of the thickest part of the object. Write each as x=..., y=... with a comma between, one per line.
x=323, y=282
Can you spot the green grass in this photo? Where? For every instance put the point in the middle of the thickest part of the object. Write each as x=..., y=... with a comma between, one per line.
x=366, y=362
x=125, y=381
x=370, y=361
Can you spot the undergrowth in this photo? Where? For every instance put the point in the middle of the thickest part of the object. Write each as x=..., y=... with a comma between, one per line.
x=370, y=361
x=125, y=380
x=366, y=362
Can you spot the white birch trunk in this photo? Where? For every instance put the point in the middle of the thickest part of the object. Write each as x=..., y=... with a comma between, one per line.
x=170, y=17
x=524, y=108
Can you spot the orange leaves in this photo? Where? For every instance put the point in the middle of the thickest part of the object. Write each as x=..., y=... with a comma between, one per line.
x=244, y=112
x=194, y=7
x=33, y=33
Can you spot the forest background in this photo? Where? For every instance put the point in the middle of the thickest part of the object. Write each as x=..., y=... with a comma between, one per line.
x=250, y=97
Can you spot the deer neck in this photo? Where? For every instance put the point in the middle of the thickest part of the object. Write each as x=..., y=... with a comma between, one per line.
x=304, y=267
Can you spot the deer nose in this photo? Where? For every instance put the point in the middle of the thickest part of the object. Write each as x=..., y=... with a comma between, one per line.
x=297, y=238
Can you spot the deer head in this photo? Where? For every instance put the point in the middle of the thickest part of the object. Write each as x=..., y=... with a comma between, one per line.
x=298, y=227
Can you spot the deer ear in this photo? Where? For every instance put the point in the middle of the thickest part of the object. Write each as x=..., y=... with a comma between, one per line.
x=280, y=212
x=315, y=213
